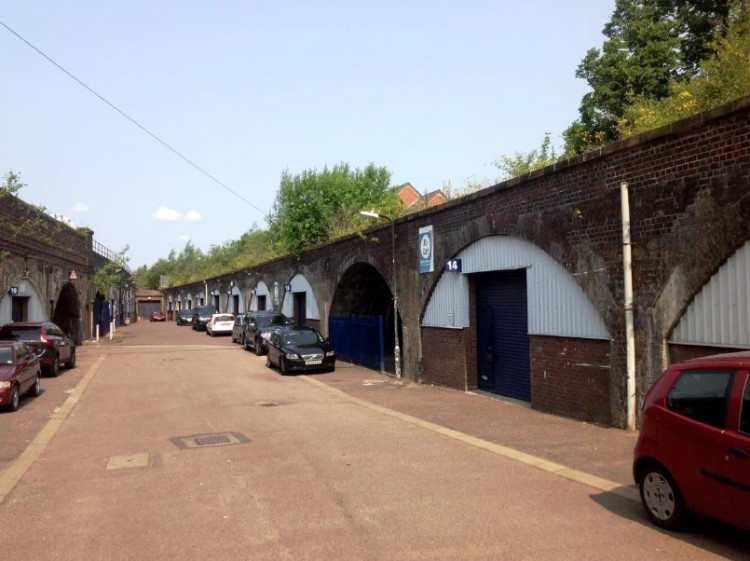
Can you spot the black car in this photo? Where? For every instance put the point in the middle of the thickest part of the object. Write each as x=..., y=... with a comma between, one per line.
x=184, y=317
x=46, y=339
x=299, y=349
x=258, y=329
x=238, y=330
x=201, y=316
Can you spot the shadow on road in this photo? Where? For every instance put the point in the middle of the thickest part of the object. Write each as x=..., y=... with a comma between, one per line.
x=709, y=535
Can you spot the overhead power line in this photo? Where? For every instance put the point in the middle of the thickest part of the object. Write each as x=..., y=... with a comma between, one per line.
x=129, y=118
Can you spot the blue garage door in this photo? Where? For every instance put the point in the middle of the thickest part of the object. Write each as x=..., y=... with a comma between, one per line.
x=358, y=339
x=503, y=334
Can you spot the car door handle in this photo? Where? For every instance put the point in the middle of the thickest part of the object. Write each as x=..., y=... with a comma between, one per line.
x=738, y=452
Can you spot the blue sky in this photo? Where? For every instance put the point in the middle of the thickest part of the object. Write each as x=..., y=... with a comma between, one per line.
x=435, y=91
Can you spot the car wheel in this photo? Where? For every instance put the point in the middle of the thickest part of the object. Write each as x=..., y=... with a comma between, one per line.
x=15, y=399
x=54, y=370
x=258, y=348
x=71, y=363
x=36, y=389
x=662, y=499
x=268, y=361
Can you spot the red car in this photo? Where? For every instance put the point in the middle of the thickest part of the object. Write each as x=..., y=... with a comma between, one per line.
x=20, y=372
x=157, y=316
x=693, y=451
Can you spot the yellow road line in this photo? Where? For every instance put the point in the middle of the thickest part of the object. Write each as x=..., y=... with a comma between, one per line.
x=598, y=483
x=11, y=476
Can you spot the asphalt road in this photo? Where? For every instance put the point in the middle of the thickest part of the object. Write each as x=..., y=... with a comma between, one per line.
x=168, y=444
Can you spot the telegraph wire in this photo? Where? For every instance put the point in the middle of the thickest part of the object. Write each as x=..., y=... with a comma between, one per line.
x=129, y=118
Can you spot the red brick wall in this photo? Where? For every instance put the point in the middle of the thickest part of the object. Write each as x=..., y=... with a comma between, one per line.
x=444, y=357
x=570, y=377
x=678, y=353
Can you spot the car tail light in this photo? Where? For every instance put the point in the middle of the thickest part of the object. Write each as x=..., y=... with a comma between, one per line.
x=43, y=338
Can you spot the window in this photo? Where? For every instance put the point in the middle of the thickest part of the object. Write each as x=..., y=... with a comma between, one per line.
x=745, y=411
x=702, y=395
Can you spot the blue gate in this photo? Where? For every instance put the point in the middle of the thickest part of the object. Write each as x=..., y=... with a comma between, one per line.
x=358, y=339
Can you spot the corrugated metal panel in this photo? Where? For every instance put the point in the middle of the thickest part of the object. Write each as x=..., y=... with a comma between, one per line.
x=557, y=305
x=300, y=284
x=720, y=313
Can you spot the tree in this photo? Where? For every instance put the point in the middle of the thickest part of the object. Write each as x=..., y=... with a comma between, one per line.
x=722, y=78
x=522, y=163
x=649, y=45
x=110, y=275
x=313, y=207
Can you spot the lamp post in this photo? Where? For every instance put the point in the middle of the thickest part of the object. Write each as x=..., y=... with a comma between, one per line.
x=396, y=346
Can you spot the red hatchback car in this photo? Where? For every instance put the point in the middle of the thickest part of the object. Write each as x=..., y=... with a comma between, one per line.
x=20, y=372
x=693, y=451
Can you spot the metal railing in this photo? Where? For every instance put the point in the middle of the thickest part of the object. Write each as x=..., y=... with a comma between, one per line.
x=108, y=254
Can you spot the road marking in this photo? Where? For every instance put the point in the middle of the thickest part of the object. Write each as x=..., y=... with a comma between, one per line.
x=571, y=474
x=10, y=477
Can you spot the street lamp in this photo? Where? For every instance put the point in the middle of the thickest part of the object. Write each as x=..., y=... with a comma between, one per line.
x=396, y=346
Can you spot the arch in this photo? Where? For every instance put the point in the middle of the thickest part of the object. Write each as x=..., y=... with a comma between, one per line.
x=363, y=293
x=261, y=293
x=719, y=313
x=557, y=305
x=299, y=284
x=27, y=303
x=67, y=314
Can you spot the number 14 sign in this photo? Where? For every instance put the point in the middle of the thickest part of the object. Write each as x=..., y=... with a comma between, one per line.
x=453, y=266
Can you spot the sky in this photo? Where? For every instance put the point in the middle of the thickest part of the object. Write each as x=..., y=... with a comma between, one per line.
x=160, y=122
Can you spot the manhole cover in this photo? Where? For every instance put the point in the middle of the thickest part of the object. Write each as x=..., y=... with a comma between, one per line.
x=210, y=439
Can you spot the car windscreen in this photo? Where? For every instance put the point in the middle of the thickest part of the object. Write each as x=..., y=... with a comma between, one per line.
x=265, y=321
x=28, y=333
x=6, y=355
x=302, y=338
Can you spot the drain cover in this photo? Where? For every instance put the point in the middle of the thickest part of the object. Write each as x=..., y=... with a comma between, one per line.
x=210, y=439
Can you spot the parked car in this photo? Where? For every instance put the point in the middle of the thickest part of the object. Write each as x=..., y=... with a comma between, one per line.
x=693, y=450
x=259, y=327
x=299, y=349
x=157, y=316
x=46, y=339
x=184, y=317
x=201, y=316
x=20, y=372
x=220, y=324
x=238, y=330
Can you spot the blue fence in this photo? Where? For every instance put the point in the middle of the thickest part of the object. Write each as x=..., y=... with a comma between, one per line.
x=358, y=339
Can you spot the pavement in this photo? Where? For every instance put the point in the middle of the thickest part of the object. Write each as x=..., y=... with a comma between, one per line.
x=598, y=456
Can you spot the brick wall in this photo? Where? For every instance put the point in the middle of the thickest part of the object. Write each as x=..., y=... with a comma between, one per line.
x=444, y=357
x=688, y=186
x=571, y=377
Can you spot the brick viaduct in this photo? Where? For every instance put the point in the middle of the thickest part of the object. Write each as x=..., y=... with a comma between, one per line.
x=690, y=211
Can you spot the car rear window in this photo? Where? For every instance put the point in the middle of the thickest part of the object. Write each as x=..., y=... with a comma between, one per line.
x=702, y=395
x=23, y=333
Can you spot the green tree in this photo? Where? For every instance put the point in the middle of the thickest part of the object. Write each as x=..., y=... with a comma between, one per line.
x=723, y=77
x=649, y=44
x=315, y=206
x=110, y=275
x=522, y=163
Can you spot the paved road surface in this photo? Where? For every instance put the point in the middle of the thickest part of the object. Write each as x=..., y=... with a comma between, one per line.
x=168, y=444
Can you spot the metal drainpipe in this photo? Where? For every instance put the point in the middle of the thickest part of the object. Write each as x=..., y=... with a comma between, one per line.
x=629, y=329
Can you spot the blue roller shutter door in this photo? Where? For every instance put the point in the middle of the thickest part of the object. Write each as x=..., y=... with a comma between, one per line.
x=503, y=333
